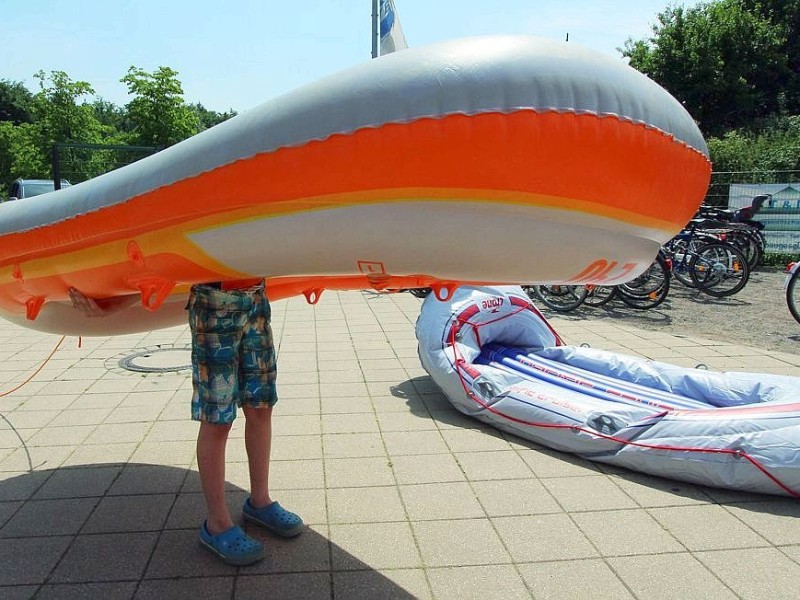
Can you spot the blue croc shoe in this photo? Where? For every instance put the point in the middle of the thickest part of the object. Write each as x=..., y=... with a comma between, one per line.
x=233, y=545
x=273, y=518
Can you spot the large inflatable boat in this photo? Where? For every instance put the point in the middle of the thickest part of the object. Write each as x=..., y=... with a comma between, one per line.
x=410, y=170
x=498, y=360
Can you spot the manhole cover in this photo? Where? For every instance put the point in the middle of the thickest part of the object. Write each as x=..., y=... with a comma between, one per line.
x=158, y=360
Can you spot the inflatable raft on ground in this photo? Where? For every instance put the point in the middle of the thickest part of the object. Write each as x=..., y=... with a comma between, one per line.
x=497, y=359
x=433, y=166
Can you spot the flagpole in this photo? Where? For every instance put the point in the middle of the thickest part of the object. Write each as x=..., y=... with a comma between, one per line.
x=375, y=18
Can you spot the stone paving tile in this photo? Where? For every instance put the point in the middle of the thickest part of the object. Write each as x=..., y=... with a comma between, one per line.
x=376, y=545
x=459, y=543
x=396, y=584
x=88, y=591
x=577, y=578
x=571, y=493
x=626, y=532
x=186, y=588
x=364, y=505
x=353, y=445
x=543, y=538
x=489, y=581
x=310, y=586
x=116, y=514
x=426, y=468
x=30, y=560
x=755, y=572
x=105, y=557
x=503, y=464
x=707, y=527
x=431, y=501
x=357, y=472
x=516, y=497
x=669, y=577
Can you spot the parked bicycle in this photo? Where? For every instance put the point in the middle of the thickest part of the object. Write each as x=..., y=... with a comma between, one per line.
x=648, y=290
x=792, y=292
x=738, y=227
x=701, y=260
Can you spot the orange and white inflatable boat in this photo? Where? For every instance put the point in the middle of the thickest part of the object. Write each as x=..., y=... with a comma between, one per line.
x=481, y=160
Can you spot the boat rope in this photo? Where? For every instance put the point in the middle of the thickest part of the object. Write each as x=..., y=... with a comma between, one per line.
x=11, y=391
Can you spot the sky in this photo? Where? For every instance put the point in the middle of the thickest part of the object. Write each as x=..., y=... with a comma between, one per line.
x=236, y=54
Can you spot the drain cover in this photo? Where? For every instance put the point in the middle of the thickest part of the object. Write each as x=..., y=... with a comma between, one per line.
x=161, y=359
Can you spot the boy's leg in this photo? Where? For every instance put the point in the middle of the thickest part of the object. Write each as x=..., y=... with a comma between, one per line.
x=258, y=442
x=260, y=508
x=211, y=442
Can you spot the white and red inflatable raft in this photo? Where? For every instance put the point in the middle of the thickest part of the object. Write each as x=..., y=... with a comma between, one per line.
x=497, y=359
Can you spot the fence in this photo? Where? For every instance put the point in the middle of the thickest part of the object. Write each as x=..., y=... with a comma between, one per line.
x=780, y=213
x=79, y=162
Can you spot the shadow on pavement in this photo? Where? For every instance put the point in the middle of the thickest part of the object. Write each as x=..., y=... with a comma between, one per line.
x=130, y=531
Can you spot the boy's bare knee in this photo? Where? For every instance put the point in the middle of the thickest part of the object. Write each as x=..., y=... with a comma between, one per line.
x=261, y=413
x=215, y=430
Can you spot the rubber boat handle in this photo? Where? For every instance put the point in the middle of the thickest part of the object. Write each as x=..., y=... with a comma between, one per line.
x=154, y=290
x=444, y=291
x=32, y=307
x=312, y=295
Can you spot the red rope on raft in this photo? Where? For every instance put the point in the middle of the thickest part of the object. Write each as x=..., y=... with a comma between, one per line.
x=460, y=363
x=36, y=372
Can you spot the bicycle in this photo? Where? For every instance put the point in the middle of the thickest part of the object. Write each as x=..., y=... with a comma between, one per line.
x=702, y=261
x=738, y=227
x=792, y=293
x=649, y=289
x=561, y=298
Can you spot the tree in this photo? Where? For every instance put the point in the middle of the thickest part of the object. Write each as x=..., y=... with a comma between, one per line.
x=774, y=147
x=56, y=108
x=158, y=113
x=721, y=60
x=20, y=153
x=15, y=102
x=209, y=118
x=784, y=15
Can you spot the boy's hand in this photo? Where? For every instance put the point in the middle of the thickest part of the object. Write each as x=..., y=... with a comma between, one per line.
x=100, y=308
x=85, y=305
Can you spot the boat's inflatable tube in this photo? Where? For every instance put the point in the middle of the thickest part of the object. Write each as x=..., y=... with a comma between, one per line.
x=497, y=359
x=413, y=169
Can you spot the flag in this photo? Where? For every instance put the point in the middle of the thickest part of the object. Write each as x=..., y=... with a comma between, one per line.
x=392, y=38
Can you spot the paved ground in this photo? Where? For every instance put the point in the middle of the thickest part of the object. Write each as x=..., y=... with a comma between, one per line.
x=405, y=498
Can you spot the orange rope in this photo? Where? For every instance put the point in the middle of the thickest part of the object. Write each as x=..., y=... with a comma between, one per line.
x=36, y=372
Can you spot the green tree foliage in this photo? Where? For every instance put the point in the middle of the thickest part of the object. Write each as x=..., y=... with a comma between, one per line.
x=774, y=147
x=721, y=60
x=784, y=16
x=209, y=118
x=15, y=102
x=61, y=109
x=158, y=113
x=20, y=152
x=115, y=120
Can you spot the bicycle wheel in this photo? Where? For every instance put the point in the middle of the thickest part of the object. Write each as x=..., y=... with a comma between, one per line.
x=598, y=295
x=681, y=252
x=719, y=269
x=561, y=298
x=420, y=292
x=747, y=242
x=649, y=289
x=793, y=294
